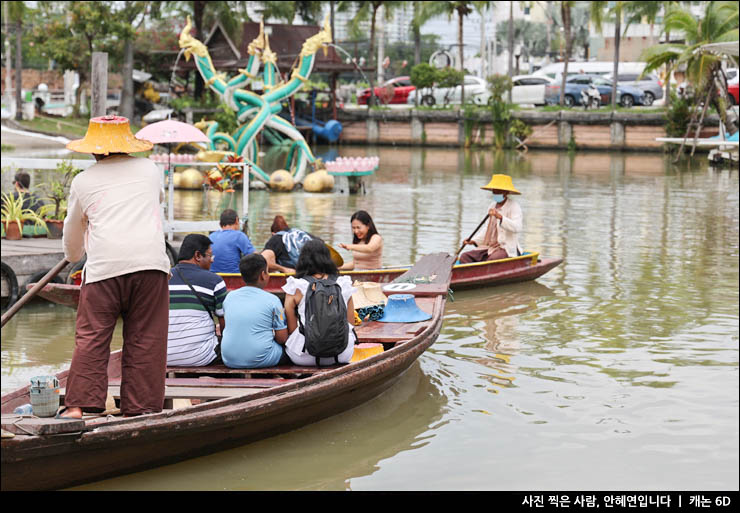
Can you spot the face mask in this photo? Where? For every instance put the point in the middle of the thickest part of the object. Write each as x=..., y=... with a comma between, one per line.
x=498, y=198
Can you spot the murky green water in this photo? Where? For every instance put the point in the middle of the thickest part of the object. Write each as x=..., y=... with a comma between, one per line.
x=616, y=370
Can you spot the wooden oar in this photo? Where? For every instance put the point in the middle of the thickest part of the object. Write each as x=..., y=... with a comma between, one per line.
x=471, y=235
x=28, y=295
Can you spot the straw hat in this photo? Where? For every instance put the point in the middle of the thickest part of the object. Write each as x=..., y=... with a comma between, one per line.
x=402, y=308
x=368, y=294
x=109, y=134
x=501, y=183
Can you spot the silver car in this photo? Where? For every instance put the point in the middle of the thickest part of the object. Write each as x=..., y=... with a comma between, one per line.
x=649, y=84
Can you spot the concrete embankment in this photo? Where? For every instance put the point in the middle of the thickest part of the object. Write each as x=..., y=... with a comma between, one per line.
x=552, y=130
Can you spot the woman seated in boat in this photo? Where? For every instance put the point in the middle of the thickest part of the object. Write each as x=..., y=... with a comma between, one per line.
x=501, y=238
x=315, y=263
x=283, y=247
x=367, y=244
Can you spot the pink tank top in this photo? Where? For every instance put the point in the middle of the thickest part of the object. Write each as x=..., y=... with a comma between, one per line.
x=369, y=260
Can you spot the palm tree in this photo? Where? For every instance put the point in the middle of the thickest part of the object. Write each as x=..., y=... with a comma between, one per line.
x=462, y=9
x=565, y=15
x=367, y=10
x=703, y=68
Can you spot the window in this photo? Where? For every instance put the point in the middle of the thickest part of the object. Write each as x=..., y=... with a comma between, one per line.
x=627, y=78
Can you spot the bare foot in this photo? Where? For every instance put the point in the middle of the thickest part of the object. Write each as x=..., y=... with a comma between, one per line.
x=69, y=413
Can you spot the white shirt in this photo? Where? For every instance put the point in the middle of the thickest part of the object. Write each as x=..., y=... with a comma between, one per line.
x=507, y=229
x=114, y=216
x=295, y=342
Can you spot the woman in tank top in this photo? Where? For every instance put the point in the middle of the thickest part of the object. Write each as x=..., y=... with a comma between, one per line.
x=367, y=244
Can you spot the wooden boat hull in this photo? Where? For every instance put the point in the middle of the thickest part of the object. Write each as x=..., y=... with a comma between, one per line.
x=464, y=276
x=110, y=447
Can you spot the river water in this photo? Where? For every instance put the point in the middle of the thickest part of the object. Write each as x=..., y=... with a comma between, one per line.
x=617, y=370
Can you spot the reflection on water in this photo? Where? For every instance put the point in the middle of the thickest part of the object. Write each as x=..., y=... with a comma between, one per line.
x=623, y=359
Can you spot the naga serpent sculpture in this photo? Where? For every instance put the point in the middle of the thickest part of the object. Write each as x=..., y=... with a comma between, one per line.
x=255, y=112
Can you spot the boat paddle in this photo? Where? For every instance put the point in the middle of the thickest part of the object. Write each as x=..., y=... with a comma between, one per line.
x=31, y=293
x=471, y=236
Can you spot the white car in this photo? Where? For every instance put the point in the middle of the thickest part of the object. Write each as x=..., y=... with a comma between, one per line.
x=529, y=89
x=476, y=90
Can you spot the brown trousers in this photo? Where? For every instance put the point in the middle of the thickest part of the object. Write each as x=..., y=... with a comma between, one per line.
x=142, y=299
x=481, y=255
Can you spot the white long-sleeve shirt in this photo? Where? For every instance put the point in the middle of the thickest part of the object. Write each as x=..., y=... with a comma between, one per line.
x=506, y=231
x=114, y=215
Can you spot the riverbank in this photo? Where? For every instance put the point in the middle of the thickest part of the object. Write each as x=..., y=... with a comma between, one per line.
x=562, y=129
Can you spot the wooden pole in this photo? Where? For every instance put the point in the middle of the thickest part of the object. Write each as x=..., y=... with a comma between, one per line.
x=99, y=81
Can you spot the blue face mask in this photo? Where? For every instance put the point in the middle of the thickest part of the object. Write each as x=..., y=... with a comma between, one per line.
x=498, y=198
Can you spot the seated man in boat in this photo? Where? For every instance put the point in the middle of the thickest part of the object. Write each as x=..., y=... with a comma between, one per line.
x=196, y=294
x=229, y=244
x=282, y=249
x=501, y=238
x=256, y=329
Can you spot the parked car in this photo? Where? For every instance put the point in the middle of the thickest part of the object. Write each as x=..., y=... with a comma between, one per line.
x=529, y=89
x=627, y=96
x=395, y=90
x=732, y=89
x=476, y=90
x=649, y=84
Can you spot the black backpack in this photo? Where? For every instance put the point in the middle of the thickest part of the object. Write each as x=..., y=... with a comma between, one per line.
x=326, y=331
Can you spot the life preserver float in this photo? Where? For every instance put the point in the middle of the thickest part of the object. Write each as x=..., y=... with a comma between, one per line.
x=11, y=282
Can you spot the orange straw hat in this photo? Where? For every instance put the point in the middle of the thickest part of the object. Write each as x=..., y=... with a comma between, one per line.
x=109, y=134
x=501, y=183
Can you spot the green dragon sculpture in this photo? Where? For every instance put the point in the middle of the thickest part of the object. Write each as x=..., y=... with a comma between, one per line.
x=255, y=112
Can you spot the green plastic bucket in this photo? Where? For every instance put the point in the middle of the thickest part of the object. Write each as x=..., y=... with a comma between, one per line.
x=44, y=396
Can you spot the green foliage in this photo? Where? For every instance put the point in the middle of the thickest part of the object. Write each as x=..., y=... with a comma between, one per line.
x=13, y=212
x=423, y=75
x=520, y=129
x=677, y=115
x=57, y=190
x=499, y=85
x=449, y=77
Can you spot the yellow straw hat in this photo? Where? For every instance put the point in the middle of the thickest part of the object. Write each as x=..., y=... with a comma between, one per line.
x=368, y=294
x=501, y=183
x=109, y=134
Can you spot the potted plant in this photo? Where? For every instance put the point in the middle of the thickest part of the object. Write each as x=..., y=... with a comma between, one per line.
x=57, y=191
x=13, y=216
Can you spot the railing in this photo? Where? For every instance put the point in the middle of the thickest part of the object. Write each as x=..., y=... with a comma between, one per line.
x=170, y=225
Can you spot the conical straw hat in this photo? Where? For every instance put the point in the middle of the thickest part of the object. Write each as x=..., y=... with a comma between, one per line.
x=501, y=183
x=368, y=294
x=109, y=134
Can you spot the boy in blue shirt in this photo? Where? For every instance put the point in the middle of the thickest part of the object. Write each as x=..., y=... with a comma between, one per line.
x=229, y=244
x=256, y=328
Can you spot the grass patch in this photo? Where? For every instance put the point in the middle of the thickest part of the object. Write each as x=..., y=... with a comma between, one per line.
x=7, y=147
x=69, y=126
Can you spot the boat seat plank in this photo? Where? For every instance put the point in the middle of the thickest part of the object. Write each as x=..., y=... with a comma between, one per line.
x=193, y=392
x=293, y=370
x=20, y=425
x=207, y=381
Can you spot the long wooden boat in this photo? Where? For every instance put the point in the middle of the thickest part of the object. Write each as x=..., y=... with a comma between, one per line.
x=223, y=407
x=464, y=276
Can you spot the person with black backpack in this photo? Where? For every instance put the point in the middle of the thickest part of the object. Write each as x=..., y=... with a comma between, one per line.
x=319, y=310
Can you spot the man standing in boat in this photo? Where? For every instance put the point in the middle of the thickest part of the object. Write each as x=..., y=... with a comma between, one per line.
x=501, y=239
x=114, y=216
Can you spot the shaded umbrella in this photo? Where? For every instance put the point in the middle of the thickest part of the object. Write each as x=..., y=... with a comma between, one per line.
x=170, y=131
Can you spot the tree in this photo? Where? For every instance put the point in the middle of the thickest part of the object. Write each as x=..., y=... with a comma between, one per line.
x=565, y=15
x=703, y=68
x=369, y=10
x=462, y=9
x=69, y=32
x=15, y=12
